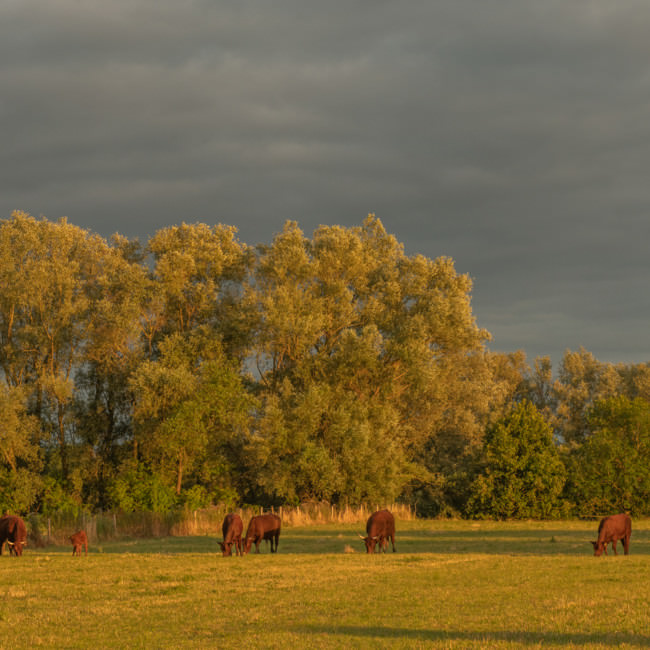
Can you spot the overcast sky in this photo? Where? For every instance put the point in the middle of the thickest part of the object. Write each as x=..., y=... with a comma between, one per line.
x=510, y=135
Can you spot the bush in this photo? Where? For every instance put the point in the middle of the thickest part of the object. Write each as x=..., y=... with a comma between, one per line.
x=19, y=490
x=139, y=489
x=522, y=475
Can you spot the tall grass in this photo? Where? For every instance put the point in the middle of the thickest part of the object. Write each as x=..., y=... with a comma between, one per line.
x=55, y=529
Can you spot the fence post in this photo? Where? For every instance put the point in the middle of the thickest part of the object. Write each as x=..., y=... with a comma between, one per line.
x=114, y=525
x=49, y=530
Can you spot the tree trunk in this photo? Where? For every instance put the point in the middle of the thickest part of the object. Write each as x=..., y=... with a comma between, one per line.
x=62, y=445
x=179, y=478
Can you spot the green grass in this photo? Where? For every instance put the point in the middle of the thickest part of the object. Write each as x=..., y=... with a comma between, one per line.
x=451, y=585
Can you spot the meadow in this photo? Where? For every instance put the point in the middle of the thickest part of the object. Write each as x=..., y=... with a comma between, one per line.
x=452, y=584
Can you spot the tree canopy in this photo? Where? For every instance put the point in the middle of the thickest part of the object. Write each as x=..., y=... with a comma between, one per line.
x=196, y=369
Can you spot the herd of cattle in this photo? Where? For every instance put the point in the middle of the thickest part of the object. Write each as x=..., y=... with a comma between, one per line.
x=379, y=529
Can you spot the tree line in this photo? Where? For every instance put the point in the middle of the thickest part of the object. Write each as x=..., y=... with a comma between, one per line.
x=197, y=369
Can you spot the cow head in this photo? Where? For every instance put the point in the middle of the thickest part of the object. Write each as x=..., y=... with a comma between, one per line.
x=246, y=545
x=370, y=543
x=16, y=548
x=598, y=548
x=226, y=548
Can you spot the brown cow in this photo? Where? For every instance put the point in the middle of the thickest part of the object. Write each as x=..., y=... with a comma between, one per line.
x=231, y=529
x=262, y=527
x=611, y=529
x=14, y=532
x=380, y=527
x=78, y=540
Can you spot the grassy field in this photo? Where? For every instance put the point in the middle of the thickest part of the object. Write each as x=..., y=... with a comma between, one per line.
x=450, y=585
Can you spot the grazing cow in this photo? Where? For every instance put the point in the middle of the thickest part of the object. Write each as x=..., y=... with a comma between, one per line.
x=611, y=529
x=14, y=532
x=232, y=529
x=79, y=540
x=262, y=527
x=380, y=527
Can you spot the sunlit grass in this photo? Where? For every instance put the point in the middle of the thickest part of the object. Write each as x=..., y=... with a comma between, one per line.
x=451, y=585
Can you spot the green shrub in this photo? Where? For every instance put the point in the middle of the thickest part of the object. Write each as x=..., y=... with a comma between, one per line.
x=522, y=475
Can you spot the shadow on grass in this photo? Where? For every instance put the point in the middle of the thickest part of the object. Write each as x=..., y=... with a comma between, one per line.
x=497, y=541
x=520, y=637
x=547, y=541
x=335, y=540
x=153, y=545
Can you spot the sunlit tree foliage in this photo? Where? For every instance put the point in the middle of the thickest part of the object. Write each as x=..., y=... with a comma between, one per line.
x=197, y=369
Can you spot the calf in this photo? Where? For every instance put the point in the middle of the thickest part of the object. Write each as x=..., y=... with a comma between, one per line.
x=262, y=527
x=611, y=529
x=78, y=540
x=231, y=529
x=379, y=528
x=14, y=532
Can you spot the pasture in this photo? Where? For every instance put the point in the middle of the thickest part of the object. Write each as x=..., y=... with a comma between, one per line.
x=451, y=584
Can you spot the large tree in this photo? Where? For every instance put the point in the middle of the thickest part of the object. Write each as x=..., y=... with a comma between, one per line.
x=103, y=401
x=197, y=280
x=610, y=470
x=55, y=296
x=191, y=412
x=582, y=381
x=380, y=345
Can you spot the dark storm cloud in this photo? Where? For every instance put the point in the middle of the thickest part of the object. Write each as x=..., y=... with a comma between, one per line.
x=512, y=136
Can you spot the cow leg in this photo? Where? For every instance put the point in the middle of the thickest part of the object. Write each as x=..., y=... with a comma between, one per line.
x=626, y=545
x=392, y=539
x=614, y=546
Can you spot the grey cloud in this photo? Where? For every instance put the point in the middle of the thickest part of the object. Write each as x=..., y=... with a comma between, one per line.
x=511, y=136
